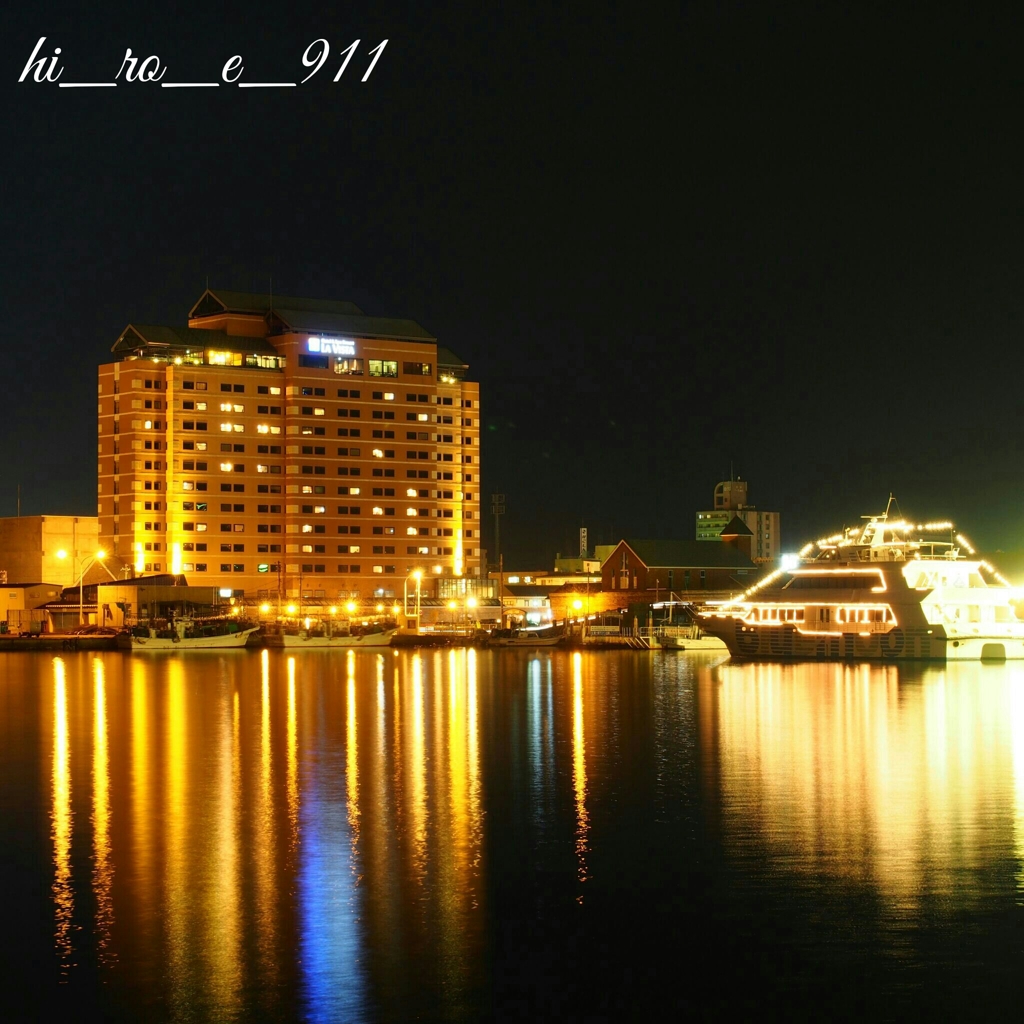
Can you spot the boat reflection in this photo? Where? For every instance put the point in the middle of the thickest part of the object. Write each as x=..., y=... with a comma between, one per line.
x=889, y=777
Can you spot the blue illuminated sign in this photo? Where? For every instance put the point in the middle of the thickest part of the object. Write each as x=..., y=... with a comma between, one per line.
x=331, y=346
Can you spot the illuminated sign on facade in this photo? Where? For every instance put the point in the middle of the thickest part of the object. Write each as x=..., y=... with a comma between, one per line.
x=331, y=346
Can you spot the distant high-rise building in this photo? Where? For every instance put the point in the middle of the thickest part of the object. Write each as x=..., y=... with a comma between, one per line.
x=285, y=444
x=731, y=500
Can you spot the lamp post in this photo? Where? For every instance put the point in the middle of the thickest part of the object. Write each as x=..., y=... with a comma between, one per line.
x=86, y=562
x=417, y=575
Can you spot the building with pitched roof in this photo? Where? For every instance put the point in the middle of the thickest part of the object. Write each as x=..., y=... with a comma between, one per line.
x=679, y=566
x=288, y=445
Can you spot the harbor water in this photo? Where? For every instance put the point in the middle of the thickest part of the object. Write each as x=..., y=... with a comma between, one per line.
x=505, y=835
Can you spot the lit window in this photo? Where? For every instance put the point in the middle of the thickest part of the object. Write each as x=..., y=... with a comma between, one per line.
x=200, y=527
x=307, y=528
x=423, y=417
x=275, y=391
x=319, y=509
x=262, y=469
x=226, y=428
x=411, y=531
x=239, y=408
x=410, y=492
x=353, y=490
x=307, y=488
x=389, y=396
x=377, y=510
x=378, y=453
x=410, y=512
x=238, y=428
x=423, y=551
x=378, y=568
x=226, y=467
x=225, y=407
x=307, y=549
x=262, y=428
x=318, y=412
x=200, y=407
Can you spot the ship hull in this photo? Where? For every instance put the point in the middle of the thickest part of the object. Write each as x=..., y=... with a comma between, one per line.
x=784, y=643
x=220, y=642
x=297, y=641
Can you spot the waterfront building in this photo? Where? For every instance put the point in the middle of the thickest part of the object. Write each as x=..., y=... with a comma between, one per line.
x=50, y=548
x=286, y=446
x=21, y=604
x=731, y=500
x=679, y=566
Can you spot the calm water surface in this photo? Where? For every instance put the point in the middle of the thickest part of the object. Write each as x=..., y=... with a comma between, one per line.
x=469, y=835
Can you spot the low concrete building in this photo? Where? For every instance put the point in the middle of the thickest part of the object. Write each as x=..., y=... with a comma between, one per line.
x=154, y=597
x=52, y=548
x=21, y=606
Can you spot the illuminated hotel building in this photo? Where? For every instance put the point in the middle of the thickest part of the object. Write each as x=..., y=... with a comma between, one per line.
x=283, y=445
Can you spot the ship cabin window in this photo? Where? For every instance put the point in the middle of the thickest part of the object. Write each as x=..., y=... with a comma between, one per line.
x=771, y=614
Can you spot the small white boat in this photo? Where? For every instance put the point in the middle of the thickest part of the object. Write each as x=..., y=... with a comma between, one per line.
x=190, y=634
x=523, y=638
x=685, y=638
x=307, y=640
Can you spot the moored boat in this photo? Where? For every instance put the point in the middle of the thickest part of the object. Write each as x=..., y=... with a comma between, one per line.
x=685, y=638
x=189, y=634
x=307, y=640
x=887, y=591
x=522, y=638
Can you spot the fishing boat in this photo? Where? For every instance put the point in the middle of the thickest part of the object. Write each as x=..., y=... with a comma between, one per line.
x=307, y=639
x=186, y=634
x=522, y=638
x=889, y=590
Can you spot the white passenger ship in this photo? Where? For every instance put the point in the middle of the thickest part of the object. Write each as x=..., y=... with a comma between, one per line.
x=887, y=590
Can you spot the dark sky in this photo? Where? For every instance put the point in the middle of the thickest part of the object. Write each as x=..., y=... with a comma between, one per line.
x=667, y=239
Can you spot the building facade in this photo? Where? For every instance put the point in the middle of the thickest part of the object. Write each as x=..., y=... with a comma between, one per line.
x=285, y=446
x=56, y=549
x=677, y=566
x=731, y=500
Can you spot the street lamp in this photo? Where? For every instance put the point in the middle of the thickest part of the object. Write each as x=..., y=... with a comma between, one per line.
x=417, y=575
x=86, y=563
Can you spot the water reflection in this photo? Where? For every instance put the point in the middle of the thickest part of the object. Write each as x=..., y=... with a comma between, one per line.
x=907, y=781
x=103, y=869
x=346, y=837
x=61, y=821
x=579, y=768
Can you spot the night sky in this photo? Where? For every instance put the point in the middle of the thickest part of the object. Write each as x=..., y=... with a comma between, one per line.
x=667, y=240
